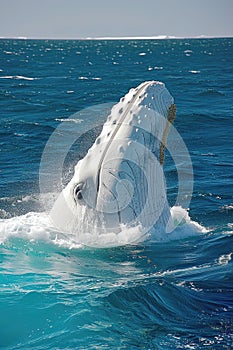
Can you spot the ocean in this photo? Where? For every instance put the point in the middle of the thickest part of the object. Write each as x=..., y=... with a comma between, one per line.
x=55, y=291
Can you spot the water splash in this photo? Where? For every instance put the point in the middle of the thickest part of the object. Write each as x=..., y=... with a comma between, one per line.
x=38, y=227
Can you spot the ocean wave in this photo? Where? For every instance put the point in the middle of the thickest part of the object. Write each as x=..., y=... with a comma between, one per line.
x=89, y=78
x=211, y=92
x=71, y=120
x=155, y=68
x=225, y=259
x=18, y=77
x=195, y=71
x=227, y=207
x=38, y=226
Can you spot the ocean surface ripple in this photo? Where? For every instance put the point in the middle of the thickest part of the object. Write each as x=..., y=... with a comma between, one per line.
x=56, y=293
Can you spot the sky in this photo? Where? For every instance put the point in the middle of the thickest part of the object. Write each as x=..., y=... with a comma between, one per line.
x=61, y=19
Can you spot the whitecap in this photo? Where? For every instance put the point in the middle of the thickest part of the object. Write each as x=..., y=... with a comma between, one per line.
x=30, y=226
x=181, y=226
x=208, y=53
x=92, y=78
x=35, y=227
x=20, y=77
x=24, y=78
x=227, y=207
x=194, y=71
x=39, y=227
x=20, y=134
x=224, y=259
x=71, y=120
x=155, y=68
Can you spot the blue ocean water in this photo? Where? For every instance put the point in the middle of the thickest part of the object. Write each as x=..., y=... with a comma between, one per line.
x=55, y=294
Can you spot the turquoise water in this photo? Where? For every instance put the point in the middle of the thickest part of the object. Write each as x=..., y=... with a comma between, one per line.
x=58, y=294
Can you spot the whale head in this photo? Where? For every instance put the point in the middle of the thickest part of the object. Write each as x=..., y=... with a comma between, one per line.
x=120, y=180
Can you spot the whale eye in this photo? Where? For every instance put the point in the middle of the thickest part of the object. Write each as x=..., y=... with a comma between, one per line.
x=78, y=192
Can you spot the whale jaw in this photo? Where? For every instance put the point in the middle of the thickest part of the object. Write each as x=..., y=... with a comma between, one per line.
x=120, y=181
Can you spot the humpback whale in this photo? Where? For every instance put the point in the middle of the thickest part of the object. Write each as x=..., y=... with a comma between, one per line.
x=120, y=182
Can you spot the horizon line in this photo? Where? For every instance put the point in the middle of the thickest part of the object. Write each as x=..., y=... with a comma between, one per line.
x=152, y=37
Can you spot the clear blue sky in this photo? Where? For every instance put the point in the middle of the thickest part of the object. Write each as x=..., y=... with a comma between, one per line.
x=96, y=18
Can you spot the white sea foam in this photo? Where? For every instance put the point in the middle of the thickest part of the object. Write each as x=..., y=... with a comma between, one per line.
x=227, y=207
x=19, y=77
x=155, y=68
x=31, y=226
x=194, y=71
x=38, y=227
x=71, y=120
x=184, y=225
x=224, y=259
x=20, y=134
x=90, y=78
